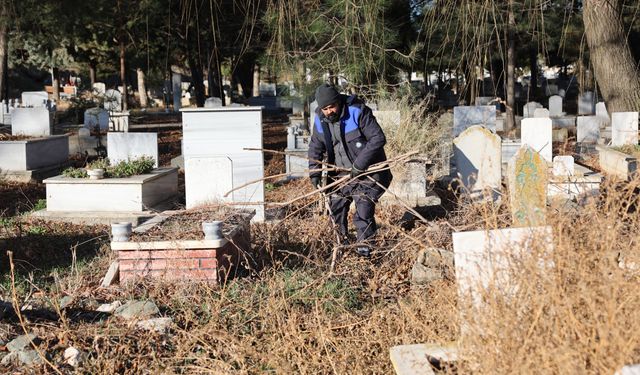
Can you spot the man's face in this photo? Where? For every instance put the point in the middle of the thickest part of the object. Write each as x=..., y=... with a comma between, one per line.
x=332, y=112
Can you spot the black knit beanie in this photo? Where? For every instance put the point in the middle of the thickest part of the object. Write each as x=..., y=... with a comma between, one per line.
x=326, y=94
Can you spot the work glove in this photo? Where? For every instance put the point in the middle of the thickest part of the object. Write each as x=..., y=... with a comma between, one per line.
x=315, y=182
x=355, y=172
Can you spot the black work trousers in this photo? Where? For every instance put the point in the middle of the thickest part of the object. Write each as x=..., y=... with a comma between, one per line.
x=365, y=193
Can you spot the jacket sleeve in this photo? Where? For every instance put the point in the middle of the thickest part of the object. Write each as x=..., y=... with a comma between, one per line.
x=375, y=139
x=317, y=150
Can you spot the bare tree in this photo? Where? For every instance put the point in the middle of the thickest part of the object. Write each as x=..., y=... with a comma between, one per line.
x=4, y=29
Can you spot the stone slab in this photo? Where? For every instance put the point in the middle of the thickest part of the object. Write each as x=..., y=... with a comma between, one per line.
x=297, y=166
x=529, y=108
x=537, y=133
x=34, y=98
x=586, y=103
x=588, y=129
x=477, y=153
x=616, y=163
x=485, y=259
x=102, y=217
x=555, y=106
x=32, y=122
x=602, y=114
x=466, y=116
x=541, y=113
x=563, y=165
x=96, y=117
x=128, y=146
x=583, y=184
x=624, y=128
x=527, y=181
x=34, y=154
x=111, y=277
x=207, y=180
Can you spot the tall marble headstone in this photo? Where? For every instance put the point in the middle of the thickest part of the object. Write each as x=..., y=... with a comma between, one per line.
x=624, y=128
x=555, y=106
x=588, y=129
x=129, y=146
x=466, y=116
x=586, y=103
x=478, y=156
x=538, y=134
x=528, y=179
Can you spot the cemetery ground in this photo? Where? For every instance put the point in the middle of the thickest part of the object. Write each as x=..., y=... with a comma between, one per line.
x=290, y=314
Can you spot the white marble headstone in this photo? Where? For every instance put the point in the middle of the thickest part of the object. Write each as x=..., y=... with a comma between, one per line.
x=32, y=122
x=538, y=134
x=126, y=146
x=34, y=98
x=588, y=129
x=586, y=103
x=485, y=260
x=563, y=165
x=466, y=116
x=602, y=114
x=113, y=100
x=96, y=116
x=555, y=106
x=624, y=128
x=529, y=109
x=207, y=180
x=478, y=156
x=541, y=113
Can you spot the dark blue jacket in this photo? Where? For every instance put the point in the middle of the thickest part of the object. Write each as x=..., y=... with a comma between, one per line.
x=362, y=138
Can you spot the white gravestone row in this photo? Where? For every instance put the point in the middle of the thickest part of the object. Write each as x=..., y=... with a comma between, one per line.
x=624, y=128
x=466, y=116
x=555, y=106
x=129, y=146
x=478, y=156
x=538, y=134
x=588, y=129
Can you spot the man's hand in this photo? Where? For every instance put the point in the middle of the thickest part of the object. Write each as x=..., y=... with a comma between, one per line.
x=355, y=172
x=315, y=182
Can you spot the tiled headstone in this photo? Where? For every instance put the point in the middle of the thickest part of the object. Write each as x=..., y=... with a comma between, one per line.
x=34, y=98
x=624, y=128
x=538, y=134
x=96, y=116
x=32, y=122
x=485, y=260
x=126, y=146
x=466, y=116
x=563, y=165
x=541, y=113
x=528, y=179
x=228, y=132
x=477, y=153
x=555, y=106
x=113, y=100
x=529, y=109
x=207, y=180
x=588, y=129
x=586, y=103
x=602, y=114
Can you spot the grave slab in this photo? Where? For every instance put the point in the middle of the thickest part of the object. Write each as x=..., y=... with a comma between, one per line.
x=586, y=104
x=602, y=114
x=33, y=154
x=616, y=163
x=541, y=113
x=582, y=184
x=624, y=128
x=588, y=129
x=32, y=122
x=529, y=109
x=34, y=98
x=563, y=165
x=207, y=180
x=477, y=153
x=466, y=116
x=128, y=146
x=555, y=106
x=96, y=117
x=528, y=180
x=538, y=134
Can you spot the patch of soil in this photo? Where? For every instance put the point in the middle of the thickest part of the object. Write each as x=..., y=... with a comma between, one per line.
x=16, y=197
x=169, y=146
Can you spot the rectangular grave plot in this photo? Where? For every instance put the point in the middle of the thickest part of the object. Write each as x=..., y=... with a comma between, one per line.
x=32, y=154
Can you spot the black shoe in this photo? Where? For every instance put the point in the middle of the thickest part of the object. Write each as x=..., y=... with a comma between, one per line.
x=363, y=251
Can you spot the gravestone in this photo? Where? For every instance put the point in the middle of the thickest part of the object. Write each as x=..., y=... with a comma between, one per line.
x=128, y=146
x=213, y=102
x=538, y=134
x=528, y=179
x=562, y=92
x=588, y=129
x=485, y=100
x=466, y=116
x=207, y=180
x=477, y=153
x=485, y=260
x=602, y=114
x=113, y=100
x=624, y=128
x=99, y=88
x=176, y=89
x=31, y=122
x=96, y=116
x=586, y=103
x=34, y=98
x=529, y=109
x=563, y=165
x=541, y=113
x=555, y=106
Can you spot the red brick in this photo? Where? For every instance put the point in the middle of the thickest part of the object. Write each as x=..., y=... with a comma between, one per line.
x=208, y=263
x=166, y=254
x=158, y=264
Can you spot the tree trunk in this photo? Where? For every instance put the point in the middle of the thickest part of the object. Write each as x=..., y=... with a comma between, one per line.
x=196, y=79
x=92, y=72
x=142, y=88
x=3, y=49
x=256, y=81
x=123, y=75
x=55, y=84
x=614, y=66
x=511, y=70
